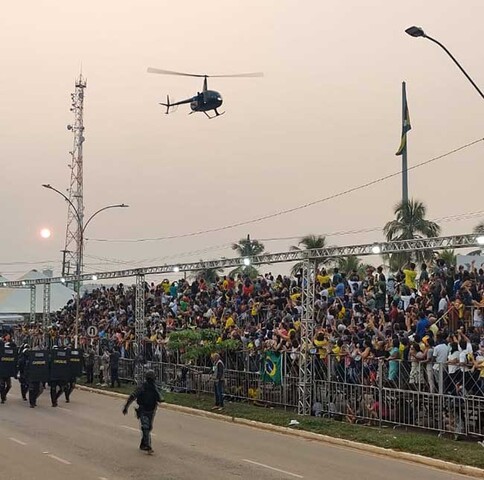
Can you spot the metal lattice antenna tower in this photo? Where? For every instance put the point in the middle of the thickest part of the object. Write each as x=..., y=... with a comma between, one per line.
x=72, y=258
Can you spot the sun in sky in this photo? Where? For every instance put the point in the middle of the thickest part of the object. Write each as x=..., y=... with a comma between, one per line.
x=45, y=233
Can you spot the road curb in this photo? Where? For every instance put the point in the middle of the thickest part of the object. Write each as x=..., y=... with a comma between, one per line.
x=387, y=452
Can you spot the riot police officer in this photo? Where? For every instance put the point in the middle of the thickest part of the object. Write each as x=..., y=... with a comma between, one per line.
x=75, y=371
x=37, y=373
x=22, y=370
x=59, y=373
x=8, y=369
x=148, y=397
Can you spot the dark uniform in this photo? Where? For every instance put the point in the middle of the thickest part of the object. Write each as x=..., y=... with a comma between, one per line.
x=114, y=367
x=37, y=374
x=59, y=373
x=22, y=371
x=8, y=368
x=75, y=369
x=89, y=359
x=147, y=397
x=5, y=386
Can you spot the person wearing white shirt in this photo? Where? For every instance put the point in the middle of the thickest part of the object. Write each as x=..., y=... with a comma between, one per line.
x=443, y=303
x=455, y=375
x=441, y=354
x=478, y=319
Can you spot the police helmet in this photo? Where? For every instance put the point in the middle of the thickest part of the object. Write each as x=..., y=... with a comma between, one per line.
x=150, y=375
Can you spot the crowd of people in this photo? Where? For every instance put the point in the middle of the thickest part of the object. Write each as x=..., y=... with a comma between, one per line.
x=415, y=321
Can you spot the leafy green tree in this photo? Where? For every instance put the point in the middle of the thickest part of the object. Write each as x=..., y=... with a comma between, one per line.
x=210, y=275
x=449, y=257
x=199, y=344
x=410, y=223
x=247, y=248
x=479, y=228
x=309, y=242
x=350, y=263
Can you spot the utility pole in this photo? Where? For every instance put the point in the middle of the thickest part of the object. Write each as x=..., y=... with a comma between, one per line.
x=72, y=253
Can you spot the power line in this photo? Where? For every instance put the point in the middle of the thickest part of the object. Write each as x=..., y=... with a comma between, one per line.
x=451, y=218
x=166, y=257
x=29, y=263
x=110, y=261
x=293, y=209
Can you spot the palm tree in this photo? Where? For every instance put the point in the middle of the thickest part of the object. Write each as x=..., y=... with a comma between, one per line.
x=350, y=263
x=247, y=248
x=479, y=228
x=309, y=242
x=410, y=223
x=210, y=275
x=449, y=257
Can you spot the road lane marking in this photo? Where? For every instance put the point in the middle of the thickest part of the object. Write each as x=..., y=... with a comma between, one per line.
x=17, y=441
x=135, y=429
x=130, y=428
x=64, y=409
x=273, y=468
x=61, y=460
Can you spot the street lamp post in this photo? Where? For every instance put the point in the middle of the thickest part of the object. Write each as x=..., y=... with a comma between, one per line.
x=418, y=32
x=80, y=250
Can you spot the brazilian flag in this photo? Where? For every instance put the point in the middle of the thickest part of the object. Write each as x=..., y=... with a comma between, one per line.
x=405, y=125
x=271, y=370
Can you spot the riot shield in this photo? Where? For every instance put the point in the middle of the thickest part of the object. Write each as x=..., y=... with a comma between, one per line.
x=75, y=363
x=38, y=366
x=8, y=362
x=59, y=365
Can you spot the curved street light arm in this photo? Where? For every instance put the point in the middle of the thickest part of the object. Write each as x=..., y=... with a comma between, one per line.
x=50, y=187
x=122, y=205
x=456, y=62
x=80, y=249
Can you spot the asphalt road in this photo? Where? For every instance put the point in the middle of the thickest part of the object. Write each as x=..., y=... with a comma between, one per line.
x=89, y=439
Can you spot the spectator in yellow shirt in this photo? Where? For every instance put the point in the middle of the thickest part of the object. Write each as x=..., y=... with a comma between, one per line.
x=410, y=276
x=323, y=278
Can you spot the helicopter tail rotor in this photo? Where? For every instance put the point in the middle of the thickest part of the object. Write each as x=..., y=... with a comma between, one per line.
x=167, y=105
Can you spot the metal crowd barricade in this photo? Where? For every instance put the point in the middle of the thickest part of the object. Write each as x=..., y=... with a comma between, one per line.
x=354, y=391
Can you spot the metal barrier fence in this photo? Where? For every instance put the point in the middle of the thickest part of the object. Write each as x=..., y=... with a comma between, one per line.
x=368, y=392
x=240, y=385
x=446, y=398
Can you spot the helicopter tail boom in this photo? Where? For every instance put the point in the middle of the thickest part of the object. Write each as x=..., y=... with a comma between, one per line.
x=169, y=105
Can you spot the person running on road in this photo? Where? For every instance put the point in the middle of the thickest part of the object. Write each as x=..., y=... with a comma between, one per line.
x=147, y=397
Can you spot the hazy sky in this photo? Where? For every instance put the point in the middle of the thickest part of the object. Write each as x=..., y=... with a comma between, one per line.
x=326, y=117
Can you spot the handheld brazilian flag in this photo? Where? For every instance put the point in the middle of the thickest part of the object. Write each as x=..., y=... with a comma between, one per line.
x=405, y=124
x=271, y=370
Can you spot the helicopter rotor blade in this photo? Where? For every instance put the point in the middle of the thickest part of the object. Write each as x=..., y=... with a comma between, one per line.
x=182, y=74
x=169, y=72
x=239, y=75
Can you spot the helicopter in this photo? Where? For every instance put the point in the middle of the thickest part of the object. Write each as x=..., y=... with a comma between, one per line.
x=205, y=100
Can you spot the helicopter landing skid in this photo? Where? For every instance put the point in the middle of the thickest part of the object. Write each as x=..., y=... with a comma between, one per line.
x=217, y=114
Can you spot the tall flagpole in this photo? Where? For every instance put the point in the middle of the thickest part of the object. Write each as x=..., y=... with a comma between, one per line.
x=404, y=153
